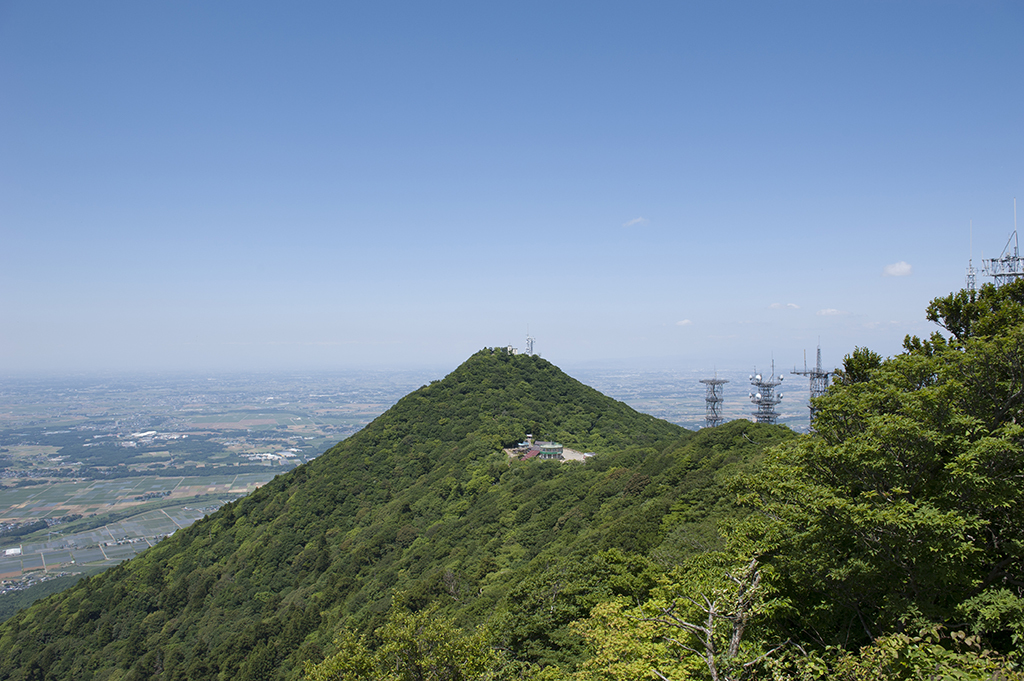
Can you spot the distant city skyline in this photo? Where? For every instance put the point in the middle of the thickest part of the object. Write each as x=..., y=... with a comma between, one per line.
x=258, y=187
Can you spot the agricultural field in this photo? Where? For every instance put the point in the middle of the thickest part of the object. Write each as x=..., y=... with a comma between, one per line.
x=116, y=519
x=95, y=469
x=105, y=545
x=107, y=427
x=89, y=497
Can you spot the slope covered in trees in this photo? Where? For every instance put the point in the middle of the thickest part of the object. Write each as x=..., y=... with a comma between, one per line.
x=888, y=544
x=914, y=484
x=418, y=513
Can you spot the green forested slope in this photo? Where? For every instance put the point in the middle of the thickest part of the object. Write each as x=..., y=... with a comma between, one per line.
x=906, y=512
x=887, y=545
x=419, y=512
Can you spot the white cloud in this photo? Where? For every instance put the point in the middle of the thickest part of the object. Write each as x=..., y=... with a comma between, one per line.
x=684, y=322
x=898, y=269
x=635, y=221
x=787, y=306
x=828, y=312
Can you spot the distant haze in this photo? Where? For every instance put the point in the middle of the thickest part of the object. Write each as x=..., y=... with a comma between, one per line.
x=258, y=186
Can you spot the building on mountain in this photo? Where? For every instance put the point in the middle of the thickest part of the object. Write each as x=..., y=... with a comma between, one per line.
x=549, y=450
x=528, y=449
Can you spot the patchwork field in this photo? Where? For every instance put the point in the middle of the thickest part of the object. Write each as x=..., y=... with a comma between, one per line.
x=106, y=545
x=138, y=457
x=61, y=546
x=87, y=497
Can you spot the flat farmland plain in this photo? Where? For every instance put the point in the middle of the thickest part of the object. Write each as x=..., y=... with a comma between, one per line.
x=86, y=497
x=113, y=464
x=105, y=545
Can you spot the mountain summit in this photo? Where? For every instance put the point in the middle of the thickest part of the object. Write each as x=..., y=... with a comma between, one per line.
x=421, y=505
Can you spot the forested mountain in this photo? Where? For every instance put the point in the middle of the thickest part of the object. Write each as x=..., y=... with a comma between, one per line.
x=888, y=544
x=419, y=512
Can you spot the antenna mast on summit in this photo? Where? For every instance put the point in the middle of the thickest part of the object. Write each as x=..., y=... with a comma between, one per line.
x=1009, y=266
x=971, y=283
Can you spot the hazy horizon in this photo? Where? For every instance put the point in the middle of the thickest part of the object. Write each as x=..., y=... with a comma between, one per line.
x=673, y=394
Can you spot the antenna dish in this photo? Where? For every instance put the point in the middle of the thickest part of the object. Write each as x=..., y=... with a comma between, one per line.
x=764, y=396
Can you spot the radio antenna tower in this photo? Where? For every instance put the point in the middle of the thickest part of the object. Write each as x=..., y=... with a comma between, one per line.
x=763, y=394
x=529, y=343
x=971, y=283
x=819, y=381
x=1009, y=266
x=713, y=400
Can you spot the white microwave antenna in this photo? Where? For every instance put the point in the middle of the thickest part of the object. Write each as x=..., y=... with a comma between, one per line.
x=762, y=394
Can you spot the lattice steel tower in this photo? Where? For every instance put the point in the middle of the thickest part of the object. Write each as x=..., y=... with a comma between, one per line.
x=1009, y=266
x=763, y=394
x=818, y=379
x=713, y=399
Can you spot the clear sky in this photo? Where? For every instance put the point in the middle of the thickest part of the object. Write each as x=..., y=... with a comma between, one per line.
x=258, y=186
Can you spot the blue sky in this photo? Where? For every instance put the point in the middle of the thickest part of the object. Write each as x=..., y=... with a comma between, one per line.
x=269, y=186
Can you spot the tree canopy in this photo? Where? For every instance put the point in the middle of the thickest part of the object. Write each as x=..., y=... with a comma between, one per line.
x=888, y=543
x=419, y=512
x=906, y=510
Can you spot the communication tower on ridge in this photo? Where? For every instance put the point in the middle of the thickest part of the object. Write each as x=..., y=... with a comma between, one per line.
x=529, y=344
x=971, y=281
x=818, y=379
x=713, y=401
x=1009, y=266
x=762, y=393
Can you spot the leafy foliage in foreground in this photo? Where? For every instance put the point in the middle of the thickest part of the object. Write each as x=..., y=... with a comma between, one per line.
x=420, y=645
x=907, y=510
x=421, y=502
x=890, y=544
x=931, y=654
